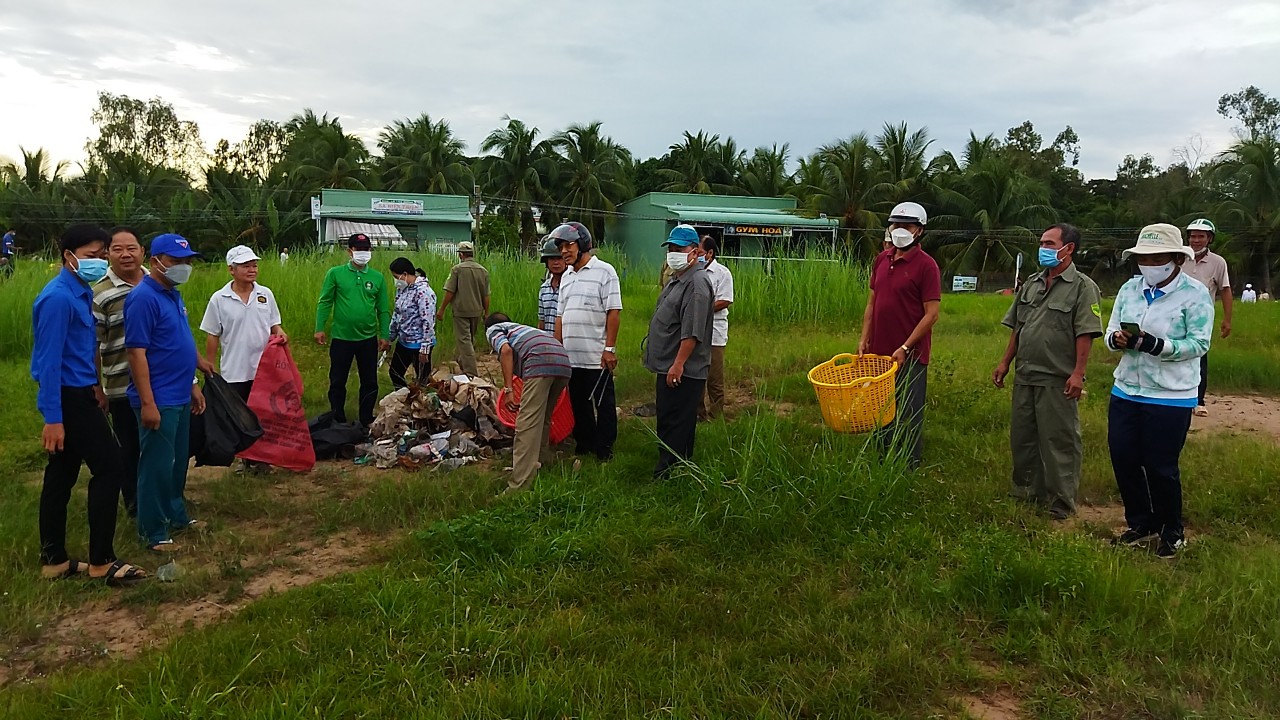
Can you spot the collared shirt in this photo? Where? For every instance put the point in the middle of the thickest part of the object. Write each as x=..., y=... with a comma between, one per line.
x=63, y=356
x=1049, y=321
x=1249, y=296
x=6, y=245
x=242, y=327
x=1183, y=316
x=902, y=286
x=721, y=289
x=537, y=353
x=358, y=301
x=108, y=311
x=548, y=303
x=155, y=320
x=413, y=322
x=684, y=311
x=1211, y=270
x=469, y=283
x=586, y=297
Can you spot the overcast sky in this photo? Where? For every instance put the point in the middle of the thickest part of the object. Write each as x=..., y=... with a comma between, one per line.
x=1131, y=76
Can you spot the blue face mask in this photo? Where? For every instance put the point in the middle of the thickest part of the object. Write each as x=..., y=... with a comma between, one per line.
x=91, y=270
x=1049, y=258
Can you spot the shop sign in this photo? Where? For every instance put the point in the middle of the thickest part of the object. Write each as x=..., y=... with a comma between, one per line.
x=964, y=283
x=396, y=206
x=768, y=230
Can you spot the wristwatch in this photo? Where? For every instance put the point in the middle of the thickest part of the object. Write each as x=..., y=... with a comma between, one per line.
x=611, y=350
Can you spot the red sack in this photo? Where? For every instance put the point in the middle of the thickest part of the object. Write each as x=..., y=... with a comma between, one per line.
x=277, y=401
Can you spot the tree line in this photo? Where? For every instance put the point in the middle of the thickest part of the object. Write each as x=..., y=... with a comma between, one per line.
x=148, y=168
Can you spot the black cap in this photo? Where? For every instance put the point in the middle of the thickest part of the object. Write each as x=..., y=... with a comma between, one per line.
x=359, y=241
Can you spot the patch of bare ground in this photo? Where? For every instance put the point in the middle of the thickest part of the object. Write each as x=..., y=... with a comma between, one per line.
x=997, y=705
x=1249, y=414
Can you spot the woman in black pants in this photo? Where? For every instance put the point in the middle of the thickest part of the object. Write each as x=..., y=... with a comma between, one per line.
x=413, y=328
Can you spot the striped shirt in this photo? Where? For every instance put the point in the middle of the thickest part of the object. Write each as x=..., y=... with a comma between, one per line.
x=586, y=297
x=537, y=353
x=108, y=310
x=548, y=305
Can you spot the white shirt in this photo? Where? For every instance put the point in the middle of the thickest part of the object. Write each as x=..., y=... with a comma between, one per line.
x=1249, y=296
x=721, y=289
x=243, y=329
x=586, y=297
x=284, y=257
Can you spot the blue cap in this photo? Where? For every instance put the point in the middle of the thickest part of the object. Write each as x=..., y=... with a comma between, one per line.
x=173, y=245
x=682, y=236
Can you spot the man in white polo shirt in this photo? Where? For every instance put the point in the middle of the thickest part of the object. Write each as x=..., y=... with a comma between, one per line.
x=712, y=405
x=240, y=317
x=588, y=312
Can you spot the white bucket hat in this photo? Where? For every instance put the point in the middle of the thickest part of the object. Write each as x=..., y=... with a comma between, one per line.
x=1157, y=239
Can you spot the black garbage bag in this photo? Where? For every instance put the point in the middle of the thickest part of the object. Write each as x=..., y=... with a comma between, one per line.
x=332, y=439
x=229, y=425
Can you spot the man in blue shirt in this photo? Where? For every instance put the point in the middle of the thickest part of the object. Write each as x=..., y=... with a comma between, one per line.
x=163, y=362
x=7, y=250
x=73, y=406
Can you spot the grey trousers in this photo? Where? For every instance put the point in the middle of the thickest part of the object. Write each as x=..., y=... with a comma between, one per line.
x=1044, y=439
x=906, y=433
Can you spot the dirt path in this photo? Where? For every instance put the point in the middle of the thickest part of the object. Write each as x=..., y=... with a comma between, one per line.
x=1250, y=414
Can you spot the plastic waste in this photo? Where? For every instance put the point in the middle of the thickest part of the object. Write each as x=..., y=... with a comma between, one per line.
x=170, y=571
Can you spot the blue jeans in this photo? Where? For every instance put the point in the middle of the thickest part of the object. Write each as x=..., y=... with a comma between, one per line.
x=162, y=473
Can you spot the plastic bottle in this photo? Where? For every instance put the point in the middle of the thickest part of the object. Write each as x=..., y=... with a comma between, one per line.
x=170, y=571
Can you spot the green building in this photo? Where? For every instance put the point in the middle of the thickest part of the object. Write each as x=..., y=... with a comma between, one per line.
x=746, y=227
x=395, y=220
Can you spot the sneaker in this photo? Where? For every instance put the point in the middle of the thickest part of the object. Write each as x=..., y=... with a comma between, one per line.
x=1168, y=550
x=1132, y=537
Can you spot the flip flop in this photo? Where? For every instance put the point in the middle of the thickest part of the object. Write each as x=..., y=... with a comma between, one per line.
x=196, y=525
x=74, y=568
x=132, y=574
x=164, y=547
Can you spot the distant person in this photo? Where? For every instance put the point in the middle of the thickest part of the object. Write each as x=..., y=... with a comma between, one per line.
x=467, y=289
x=678, y=350
x=712, y=403
x=906, y=294
x=1054, y=319
x=1211, y=270
x=126, y=257
x=413, y=324
x=240, y=317
x=284, y=255
x=8, y=251
x=549, y=291
x=587, y=319
x=540, y=361
x=1162, y=322
x=72, y=403
x=1248, y=296
x=162, y=364
x=356, y=297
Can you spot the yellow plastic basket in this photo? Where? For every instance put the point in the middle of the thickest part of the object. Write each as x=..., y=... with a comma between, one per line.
x=855, y=392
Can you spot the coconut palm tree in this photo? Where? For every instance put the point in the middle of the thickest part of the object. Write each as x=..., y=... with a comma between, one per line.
x=422, y=156
x=321, y=155
x=518, y=173
x=765, y=175
x=850, y=183
x=36, y=170
x=1248, y=178
x=593, y=175
x=702, y=165
x=900, y=160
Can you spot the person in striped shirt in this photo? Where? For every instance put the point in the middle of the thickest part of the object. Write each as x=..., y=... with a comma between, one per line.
x=549, y=292
x=541, y=362
x=126, y=257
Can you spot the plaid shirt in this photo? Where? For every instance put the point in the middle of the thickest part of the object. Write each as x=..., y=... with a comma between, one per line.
x=108, y=310
x=548, y=302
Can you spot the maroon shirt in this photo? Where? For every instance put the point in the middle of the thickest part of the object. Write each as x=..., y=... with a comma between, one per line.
x=902, y=287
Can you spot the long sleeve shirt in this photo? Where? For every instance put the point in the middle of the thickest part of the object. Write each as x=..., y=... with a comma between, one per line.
x=413, y=323
x=65, y=342
x=1182, y=314
x=358, y=301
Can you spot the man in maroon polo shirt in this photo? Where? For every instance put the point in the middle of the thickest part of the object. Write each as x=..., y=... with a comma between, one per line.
x=906, y=291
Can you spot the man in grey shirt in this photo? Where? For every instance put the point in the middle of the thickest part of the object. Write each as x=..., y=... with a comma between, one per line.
x=678, y=350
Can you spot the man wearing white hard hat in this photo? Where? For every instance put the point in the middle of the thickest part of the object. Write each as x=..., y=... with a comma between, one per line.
x=239, y=319
x=906, y=292
x=1211, y=270
x=1162, y=324
x=1249, y=295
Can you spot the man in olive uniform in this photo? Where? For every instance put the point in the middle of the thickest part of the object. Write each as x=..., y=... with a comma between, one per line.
x=1054, y=318
x=467, y=289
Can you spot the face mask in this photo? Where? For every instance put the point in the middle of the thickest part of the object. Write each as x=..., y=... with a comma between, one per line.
x=702, y=262
x=1049, y=258
x=401, y=284
x=177, y=274
x=902, y=238
x=1156, y=274
x=677, y=261
x=91, y=270
x=1203, y=252
x=361, y=257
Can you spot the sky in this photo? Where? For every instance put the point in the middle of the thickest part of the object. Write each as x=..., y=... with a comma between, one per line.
x=1130, y=76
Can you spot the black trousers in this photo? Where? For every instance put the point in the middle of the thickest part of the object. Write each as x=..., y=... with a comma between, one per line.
x=1146, y=441
x=243, y=389
x=906, y=431
x=595, y=412
x=88, y=440
x=1204, y=378
x=124, y=423
x=365, y=355
x=677, y=410
x=403, y=358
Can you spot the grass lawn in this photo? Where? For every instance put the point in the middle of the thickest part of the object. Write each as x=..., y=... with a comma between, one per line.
x=792, y=574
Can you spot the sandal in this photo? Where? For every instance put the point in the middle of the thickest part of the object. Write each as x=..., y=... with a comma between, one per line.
x=164, y=547
x=1202, y=411
x=196, y=525
x=74, y=567
x=122, y=574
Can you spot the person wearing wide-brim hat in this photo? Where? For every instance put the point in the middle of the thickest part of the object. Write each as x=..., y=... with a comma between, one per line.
x=1162, y=323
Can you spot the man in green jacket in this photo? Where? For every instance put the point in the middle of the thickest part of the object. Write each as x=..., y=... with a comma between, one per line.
x=356, y=296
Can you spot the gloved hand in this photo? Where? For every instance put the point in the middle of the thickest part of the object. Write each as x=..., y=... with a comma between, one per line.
x=1149, y=344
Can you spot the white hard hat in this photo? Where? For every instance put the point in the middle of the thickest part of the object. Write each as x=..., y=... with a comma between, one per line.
x=1203, y=224
x=909, y=212
x=1248, y=286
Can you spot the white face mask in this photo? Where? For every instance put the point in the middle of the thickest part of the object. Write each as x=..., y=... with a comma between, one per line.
x=361, y=257
x=902, y=238
x=677, y=261
x=401, y=284
x=1156, y=274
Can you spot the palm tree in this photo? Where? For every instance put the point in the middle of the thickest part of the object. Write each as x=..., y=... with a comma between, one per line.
x=593, y=175
x=421, y=156
x=900, y=160
x=702, y=165
x=519, y=174
x=849, y=186
x=321, y=155
x=765, y=175
x=1248, y=175
x=37, y=170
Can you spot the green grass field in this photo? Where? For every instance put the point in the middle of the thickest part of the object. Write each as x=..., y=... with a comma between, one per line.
x=794, y=574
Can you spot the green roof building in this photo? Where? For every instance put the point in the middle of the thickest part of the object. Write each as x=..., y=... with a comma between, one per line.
x=746, y=227
x=395, y=220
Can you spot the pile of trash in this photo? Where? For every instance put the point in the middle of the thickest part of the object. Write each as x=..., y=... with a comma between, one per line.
x=450, y=422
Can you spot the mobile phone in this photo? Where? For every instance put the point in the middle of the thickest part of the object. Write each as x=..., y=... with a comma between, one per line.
x=1131, y=328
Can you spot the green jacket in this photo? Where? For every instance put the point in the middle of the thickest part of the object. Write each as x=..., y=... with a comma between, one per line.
x=358, y=301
